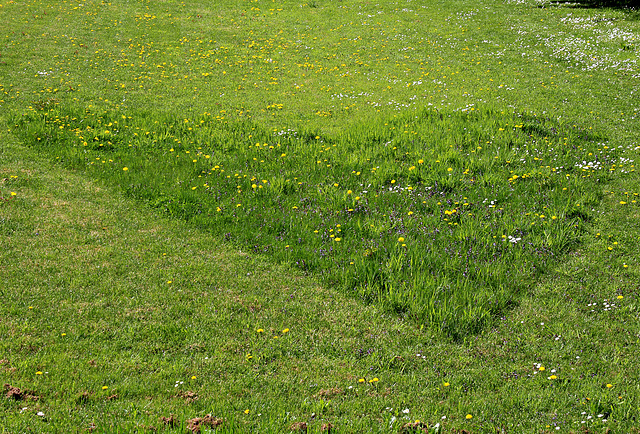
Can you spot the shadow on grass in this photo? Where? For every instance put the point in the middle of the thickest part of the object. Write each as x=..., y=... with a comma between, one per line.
x=630, y=6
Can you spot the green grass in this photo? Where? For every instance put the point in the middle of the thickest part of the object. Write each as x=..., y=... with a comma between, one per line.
x=445, y=217
x=437, y=200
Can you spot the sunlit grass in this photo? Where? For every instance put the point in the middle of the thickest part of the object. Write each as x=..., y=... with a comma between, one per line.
x=445, y=217
x=437, y=169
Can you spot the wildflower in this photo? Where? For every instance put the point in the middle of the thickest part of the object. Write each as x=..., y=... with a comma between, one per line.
x=246, y=411
x=361, y=380
x=105, y=387
x=285, y=331
x=193, y=377
x=541, y=368
x=374, y=380
x=259, y=330
x=125, y=168
x=401, y=240
x=468, y=416
x=446, y=384
x=13, y=193
x=609, y=386
x=39, y=373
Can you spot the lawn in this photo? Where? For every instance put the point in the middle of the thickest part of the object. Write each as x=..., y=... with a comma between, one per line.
x=327, y=216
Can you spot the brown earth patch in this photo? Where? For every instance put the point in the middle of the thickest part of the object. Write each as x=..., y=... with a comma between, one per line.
x=207, y=421
x=170, y=421
x=20, y=395
x=299, y=426
x=329, y=393
x=188, y=396
x=327, y=427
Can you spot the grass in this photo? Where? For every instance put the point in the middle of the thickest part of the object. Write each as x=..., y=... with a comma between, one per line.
x=376, y=226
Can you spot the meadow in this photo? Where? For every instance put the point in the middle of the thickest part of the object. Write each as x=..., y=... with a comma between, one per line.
x=273, y=216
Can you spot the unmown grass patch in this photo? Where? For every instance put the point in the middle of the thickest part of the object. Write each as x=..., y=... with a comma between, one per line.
x=442, y=216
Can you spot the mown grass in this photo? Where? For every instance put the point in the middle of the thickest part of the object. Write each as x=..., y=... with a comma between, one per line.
x=117, y=316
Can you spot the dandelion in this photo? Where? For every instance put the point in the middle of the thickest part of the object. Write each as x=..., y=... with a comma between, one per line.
x=609, y=386
x=468, y=417
x=541, y=368
x=260, y=331
x=246, y=411
x=285, y=331
x=193, y=377
x=39, y=373
x=361, y=380
x=401, y=240
x=125, y=169
x=13, y=193
x=105, y=387
x=446, y=385
x=374, y=380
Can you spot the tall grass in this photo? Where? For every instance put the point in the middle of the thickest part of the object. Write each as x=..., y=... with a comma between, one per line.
x=442, y=216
